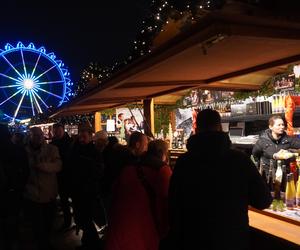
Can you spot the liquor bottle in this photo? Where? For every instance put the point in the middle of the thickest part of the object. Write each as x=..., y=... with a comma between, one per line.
x=290, y=193
x=271, y=176
x=179, y=143
x=293, y=169
x=283, y=181
x=174, y=142
x=278, y=180
x=298, y=191
x=273, y=105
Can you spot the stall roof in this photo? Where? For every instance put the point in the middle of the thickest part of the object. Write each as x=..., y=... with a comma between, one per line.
x=221, y=52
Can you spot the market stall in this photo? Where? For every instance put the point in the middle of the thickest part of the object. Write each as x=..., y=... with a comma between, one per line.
x=222, y=52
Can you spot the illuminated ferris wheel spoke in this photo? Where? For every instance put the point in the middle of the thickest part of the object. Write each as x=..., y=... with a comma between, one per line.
x=11, y=96
x=31, y=102
x=37, y=95
x=24, y=67
x=36, y=63
x=50, y=93
x=10, y=86
x=31, y=81
x=37, y=103
x=45, y=72
x=19, y=105
x=50, y=82
x=9, y=77
x=12, y=66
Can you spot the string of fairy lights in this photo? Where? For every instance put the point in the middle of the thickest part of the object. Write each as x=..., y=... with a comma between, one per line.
x=161, y=12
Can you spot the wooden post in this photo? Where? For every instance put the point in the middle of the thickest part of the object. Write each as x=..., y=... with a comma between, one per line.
x=149, y=117
x=97, y=121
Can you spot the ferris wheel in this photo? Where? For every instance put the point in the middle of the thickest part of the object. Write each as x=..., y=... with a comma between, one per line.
x=31, y=81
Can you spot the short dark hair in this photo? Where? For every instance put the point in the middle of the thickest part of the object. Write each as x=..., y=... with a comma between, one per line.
x=135, y=137
x=208, y=120
x=273, y=118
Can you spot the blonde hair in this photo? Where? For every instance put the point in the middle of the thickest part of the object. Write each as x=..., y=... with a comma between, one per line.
x=158, y=148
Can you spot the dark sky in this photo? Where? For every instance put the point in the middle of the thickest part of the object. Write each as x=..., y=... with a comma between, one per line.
x=76, y=33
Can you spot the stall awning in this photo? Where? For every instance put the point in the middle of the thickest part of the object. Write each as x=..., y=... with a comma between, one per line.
x=221, y=52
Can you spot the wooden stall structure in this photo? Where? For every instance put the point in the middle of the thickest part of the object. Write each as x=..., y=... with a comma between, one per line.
x=220, y=52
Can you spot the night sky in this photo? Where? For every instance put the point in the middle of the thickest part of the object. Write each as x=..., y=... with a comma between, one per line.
x=76, y=33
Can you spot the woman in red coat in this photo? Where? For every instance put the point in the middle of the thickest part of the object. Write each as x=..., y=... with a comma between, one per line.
x=138, y=215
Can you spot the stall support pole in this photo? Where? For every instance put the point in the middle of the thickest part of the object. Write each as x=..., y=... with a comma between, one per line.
x=149, y=116
x=97, y=121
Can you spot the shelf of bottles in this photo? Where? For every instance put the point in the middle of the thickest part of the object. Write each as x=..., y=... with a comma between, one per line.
x=284, y=183
x=260, y=107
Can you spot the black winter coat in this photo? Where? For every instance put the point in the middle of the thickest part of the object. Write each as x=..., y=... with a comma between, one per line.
x=267, y=146
x=64, y=147
x=211, y=187
x=14, y=172
x=87, y=166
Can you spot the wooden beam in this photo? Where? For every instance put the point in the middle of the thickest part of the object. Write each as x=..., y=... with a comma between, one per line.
x=102, y=101
x=287, y=60
x=97, y=121
x=149, y=117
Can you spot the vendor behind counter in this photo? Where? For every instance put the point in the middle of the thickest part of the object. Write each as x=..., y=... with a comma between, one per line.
x=272, y=141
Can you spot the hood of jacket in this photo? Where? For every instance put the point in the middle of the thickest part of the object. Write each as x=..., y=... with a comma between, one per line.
x=149, y=160
x=209, y=142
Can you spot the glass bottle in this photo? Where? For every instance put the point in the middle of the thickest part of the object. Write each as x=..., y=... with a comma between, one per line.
x=278, y=180
x=271, y=176
x=298, y=191
x=283, y=181
x=290, y=193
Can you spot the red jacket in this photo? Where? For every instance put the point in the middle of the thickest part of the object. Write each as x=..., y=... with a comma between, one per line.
x=131, y=222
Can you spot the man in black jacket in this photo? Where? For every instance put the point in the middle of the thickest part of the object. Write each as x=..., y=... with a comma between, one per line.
x=63, y=142
x=271, y=141
x=211, y=187
x=14, y=172
x=87, y=167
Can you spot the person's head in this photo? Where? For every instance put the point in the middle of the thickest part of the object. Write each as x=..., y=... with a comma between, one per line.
x=276, y=125
x=101, y=139
x=138, y=143
x=17, y=138
x=159, y=149
x=4, y=134
x=85, y=136
x=208, y=120
x=121, y=116
x=36, y=137
x=58, y=130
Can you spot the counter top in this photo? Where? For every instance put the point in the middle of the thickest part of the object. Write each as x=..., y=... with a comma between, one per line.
x=280, y=228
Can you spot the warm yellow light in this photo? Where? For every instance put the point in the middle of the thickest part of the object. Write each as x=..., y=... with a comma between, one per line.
x=296, y=70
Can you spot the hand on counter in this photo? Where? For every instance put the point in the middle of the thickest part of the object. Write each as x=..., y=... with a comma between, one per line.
x=283, y=154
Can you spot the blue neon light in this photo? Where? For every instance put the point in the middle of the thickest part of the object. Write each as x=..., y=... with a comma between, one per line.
x=31, y=80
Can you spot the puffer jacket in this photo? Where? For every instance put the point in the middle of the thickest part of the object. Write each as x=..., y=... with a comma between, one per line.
x=44, y=163
x=267, y=146
x=211, y=187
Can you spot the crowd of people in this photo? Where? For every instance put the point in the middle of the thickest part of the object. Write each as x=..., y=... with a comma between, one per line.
x=130, y=190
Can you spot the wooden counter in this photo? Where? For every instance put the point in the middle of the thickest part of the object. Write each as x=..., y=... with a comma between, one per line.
x=278, y=227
